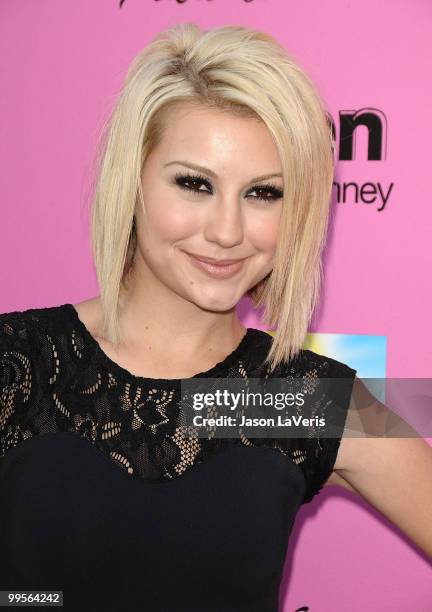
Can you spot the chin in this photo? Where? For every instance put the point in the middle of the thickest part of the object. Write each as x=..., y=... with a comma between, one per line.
x=216, y=301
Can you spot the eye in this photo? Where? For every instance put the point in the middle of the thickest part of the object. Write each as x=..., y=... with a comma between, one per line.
x=194, y=184
x=273, y=192
x=190, y=182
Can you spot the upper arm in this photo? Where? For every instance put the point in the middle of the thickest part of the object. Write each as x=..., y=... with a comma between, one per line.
x=337, y=479
x=393, y=473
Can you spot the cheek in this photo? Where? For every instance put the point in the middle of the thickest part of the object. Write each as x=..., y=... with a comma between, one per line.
x=170, y=221
x=263, y=232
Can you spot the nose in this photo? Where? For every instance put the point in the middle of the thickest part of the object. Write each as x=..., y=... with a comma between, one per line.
x=224, y=223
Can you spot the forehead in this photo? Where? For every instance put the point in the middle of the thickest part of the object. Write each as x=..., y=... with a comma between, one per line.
x=186, y=116
x=216, y=134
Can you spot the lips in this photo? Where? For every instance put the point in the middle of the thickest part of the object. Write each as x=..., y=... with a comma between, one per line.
x=218, y=268
x=215, y=262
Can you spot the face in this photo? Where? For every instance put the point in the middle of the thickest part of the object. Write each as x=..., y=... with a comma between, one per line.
x=219, y=211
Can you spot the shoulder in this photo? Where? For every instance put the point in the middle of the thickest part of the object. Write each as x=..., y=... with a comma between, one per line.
x=17, y=331
x=16, y=342
x=325, y=365
x=20, y=368
x=33, y=343
x=30, y=339
x=310, y=363
x=306, y=363
x=51, y=341
x=23, y=328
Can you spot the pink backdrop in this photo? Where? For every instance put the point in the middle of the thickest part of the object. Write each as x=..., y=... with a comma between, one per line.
x=61, y=65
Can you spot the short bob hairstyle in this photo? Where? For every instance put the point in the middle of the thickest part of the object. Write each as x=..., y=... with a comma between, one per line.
x=248, y=73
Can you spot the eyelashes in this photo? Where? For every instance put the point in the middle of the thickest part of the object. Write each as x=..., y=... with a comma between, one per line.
x=187, y=181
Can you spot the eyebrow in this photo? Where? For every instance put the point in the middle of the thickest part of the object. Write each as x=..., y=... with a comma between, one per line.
x=214, y=175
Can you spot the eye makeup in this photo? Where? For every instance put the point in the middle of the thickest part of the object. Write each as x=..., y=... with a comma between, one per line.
x=186, y=180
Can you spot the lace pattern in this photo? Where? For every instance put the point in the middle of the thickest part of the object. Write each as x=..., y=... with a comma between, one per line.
x=54, y=377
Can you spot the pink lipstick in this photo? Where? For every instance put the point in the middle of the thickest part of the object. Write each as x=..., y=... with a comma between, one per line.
x=216, y=268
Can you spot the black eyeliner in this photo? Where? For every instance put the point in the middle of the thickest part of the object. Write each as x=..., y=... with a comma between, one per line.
x=181, y=177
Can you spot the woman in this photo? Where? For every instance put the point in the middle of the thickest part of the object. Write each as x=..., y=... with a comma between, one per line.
x=214, y=181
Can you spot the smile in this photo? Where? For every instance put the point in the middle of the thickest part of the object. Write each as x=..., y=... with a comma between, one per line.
x=215, y=269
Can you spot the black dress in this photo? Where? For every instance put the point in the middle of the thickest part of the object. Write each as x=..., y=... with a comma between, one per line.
x=103, y=498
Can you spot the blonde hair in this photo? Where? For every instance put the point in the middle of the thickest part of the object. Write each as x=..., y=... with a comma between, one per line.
x=242, y=71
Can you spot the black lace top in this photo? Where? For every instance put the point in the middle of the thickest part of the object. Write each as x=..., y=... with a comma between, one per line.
x=102, y=497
